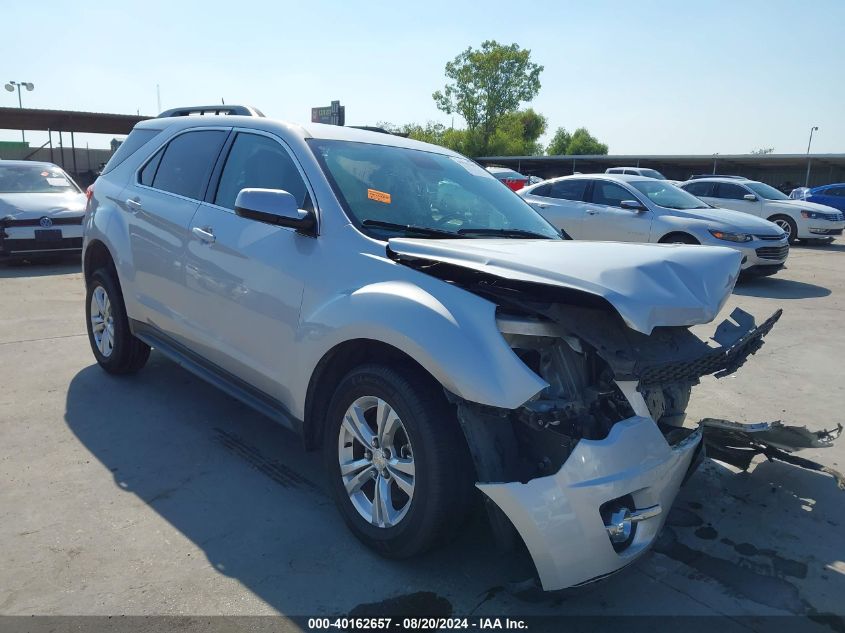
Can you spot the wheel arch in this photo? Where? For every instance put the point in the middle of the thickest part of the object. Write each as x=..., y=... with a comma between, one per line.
x=331, y=369
x=667, y=239
x=97, y=255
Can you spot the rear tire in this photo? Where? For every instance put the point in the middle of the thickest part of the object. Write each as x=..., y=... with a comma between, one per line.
x=420, y=465
x=788, y=225
x=114, y=346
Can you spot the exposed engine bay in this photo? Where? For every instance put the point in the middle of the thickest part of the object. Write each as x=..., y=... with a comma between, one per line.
x=601, y=371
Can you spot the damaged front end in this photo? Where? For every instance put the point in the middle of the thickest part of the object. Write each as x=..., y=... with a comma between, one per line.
x=587, y=470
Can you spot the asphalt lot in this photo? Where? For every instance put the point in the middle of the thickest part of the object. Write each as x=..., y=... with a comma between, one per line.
x=157, y=494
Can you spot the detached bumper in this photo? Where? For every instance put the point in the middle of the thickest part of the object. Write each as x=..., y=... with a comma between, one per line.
x=558, y=516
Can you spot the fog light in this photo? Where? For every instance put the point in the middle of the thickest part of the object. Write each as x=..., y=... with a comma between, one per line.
x=620, y=521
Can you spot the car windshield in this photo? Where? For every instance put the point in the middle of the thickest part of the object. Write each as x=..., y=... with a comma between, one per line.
x=652, y=173
x=34, y=179
x=668, y=196
x=765, y=191
x=390, y=190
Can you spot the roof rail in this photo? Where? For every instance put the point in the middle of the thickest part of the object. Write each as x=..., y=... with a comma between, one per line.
x=237, y=110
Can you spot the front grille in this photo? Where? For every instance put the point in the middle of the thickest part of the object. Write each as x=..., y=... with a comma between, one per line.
x=63, y=221
x=838, y=217
x=773, y=252
x=769, y=237
x=24, y=245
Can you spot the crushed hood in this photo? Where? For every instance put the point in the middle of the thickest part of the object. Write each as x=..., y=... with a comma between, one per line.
x=650, y=285
x=28, y=206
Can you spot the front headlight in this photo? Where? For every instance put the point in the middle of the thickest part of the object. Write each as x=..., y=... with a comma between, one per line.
x=730, y=237
x=815, y=215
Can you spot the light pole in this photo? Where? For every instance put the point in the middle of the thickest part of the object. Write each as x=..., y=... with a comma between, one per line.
x=20, y=84
x=815, y=128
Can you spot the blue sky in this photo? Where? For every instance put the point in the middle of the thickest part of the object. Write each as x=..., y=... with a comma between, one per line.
x=643, y=76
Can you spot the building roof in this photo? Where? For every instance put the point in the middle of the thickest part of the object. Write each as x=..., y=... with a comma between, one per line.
x=67, y=121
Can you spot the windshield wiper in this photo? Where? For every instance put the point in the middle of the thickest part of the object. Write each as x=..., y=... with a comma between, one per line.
x=505, y=233
x=411, y=228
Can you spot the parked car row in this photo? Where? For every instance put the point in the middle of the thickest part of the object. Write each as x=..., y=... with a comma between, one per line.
x=623, y=208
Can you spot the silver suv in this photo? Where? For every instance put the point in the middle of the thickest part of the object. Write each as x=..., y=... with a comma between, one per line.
x=398, y=307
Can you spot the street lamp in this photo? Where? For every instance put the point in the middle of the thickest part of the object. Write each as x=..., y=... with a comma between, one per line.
x=20, y=84
x=815, y=128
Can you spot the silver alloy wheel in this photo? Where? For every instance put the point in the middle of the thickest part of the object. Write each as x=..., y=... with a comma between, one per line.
x=376, y=461
x=785, y=225
x=102, y=322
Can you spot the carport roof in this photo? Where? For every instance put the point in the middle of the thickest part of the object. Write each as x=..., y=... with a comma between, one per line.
x=67, y=121
x=702, y=161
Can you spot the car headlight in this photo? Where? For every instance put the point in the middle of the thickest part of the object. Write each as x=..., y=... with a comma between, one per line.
x=730, y=237
x=815, y=215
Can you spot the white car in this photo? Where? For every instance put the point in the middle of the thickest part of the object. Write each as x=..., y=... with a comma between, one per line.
x=800, y=220
x=636, y=171
x=620, y=208
x=41, y=210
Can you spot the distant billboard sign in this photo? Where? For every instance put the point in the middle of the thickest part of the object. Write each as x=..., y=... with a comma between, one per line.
x=335, y=114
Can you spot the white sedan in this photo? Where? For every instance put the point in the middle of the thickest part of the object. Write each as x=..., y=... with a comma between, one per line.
x=621, y=208
x=801, y=220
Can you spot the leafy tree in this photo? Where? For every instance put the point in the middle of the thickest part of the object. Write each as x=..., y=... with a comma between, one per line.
x=517, y=134
x=580, y=142
x=485, y=85
x=560, y=142
x=763, y=150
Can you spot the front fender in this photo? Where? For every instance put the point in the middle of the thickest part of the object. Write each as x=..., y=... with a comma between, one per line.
x=453, y=335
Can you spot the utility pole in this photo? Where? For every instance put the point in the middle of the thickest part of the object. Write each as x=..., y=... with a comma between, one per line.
x=815, y=128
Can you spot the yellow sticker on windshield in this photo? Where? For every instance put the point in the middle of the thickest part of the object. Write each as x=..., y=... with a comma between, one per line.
x=378, y=196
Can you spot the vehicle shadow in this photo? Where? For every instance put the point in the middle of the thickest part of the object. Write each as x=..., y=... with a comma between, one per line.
x=820, y=246
x=769, y=535
x=773, y=288
x=40, y=267
x=242, y=489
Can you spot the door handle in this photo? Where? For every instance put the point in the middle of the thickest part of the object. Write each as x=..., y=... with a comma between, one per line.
x=204, y=234
x=134, y=205
x=543, y=206
x=591, y=212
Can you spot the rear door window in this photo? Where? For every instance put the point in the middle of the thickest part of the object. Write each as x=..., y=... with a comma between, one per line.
x=187, y=161
x=542, y=190
x=568, y=189
x=700, y=189
x=730, y=191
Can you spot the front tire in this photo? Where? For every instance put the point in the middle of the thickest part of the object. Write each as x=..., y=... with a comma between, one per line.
x=115, y=348
x=398, y=464
x=788, y=226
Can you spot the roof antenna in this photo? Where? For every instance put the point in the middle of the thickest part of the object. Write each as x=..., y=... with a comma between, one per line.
x=221, y=101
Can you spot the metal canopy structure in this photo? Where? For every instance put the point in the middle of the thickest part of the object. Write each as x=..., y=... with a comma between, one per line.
x=67, y=121
x=771, y=168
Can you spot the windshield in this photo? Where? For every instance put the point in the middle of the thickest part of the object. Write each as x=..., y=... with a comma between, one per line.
x=390, y=190
x=35, y=179
x=668, y=196
x=652, y=173
x=765, y=191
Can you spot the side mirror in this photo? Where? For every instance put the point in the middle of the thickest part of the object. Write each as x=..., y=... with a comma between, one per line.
x=632, y=205
x=750, y=197
x=274, y=206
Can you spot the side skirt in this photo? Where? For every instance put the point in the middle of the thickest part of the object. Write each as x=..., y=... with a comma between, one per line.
x=217, y=376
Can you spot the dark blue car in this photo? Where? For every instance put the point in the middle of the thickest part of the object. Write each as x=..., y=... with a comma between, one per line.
x=831, y=195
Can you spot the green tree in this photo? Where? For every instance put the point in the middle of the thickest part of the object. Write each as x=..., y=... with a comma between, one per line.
x=580, y=142
x=517, y=134
x=485, y=84
x=763, y=150
x=560, y=142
